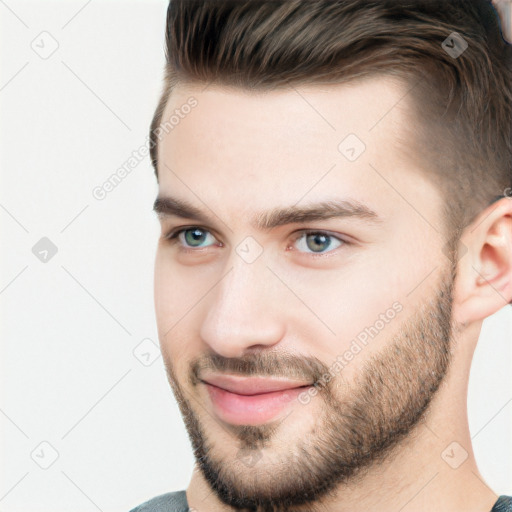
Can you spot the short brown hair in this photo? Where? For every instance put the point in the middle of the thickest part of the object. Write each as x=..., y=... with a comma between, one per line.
x=462, y=104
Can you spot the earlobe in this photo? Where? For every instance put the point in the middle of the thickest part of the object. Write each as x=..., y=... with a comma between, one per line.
x=484, y=272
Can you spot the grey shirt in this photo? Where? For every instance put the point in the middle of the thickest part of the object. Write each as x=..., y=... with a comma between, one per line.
x=168, y=502
x=177, y=502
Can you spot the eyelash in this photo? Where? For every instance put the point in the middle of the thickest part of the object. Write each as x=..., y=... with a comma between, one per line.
x=172, y=238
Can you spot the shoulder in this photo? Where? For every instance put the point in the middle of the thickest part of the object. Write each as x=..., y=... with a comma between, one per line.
x=504, y=504
x=168, y=502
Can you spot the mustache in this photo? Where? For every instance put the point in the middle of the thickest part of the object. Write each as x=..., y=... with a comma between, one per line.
x=267, y=364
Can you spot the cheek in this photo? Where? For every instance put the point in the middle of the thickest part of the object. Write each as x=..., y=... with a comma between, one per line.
x=178, y=291
x=171, y=291
x=365, y=305
x=355, y=306
x=335, y=308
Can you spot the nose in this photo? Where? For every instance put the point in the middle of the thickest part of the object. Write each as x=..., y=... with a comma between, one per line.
x=243, y=312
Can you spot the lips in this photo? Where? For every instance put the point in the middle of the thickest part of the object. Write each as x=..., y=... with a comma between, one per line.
x=242, y=400
x=249, y=386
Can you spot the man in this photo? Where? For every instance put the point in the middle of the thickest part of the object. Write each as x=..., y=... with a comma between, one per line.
x=334, y=197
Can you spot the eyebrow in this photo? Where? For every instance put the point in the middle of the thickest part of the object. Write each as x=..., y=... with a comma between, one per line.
x=166, y=206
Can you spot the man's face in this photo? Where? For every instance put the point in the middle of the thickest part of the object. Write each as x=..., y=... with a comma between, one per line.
x=364, y=299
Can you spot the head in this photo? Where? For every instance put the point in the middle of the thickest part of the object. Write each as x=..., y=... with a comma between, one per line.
x=339, y=174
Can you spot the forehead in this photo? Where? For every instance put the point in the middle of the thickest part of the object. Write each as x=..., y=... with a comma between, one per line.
x=264, y=149
x=323, y=114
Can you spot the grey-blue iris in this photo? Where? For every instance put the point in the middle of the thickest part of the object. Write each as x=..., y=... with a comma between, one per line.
x=195, y=236
x=316, y=237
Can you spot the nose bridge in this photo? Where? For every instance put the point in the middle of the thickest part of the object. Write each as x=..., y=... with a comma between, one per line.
x=242, y=309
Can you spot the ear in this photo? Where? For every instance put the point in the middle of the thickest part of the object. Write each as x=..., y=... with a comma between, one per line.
x=484, y=273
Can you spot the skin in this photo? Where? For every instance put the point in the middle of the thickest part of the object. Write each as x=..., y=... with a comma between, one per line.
x=238, y=153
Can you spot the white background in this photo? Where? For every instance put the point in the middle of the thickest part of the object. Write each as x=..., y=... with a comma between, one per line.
x=70, y=325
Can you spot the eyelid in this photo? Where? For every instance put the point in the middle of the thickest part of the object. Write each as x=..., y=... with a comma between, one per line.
x=311, y=231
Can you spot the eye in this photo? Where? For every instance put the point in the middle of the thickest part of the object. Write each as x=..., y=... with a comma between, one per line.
x=312, y=242
x=317, y=242
x=191, y=237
